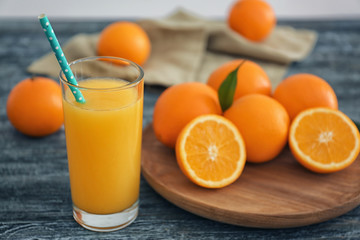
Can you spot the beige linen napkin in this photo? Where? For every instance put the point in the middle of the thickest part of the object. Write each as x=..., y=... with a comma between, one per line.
x=187, y=48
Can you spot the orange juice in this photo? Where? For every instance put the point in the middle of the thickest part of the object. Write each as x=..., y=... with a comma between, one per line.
x=103, y=139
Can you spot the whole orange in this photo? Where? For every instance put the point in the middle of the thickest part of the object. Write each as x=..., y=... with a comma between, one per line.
x=178, y=105
x=302, y=91
x=125, y=40
x=263, y=123
x=253, y=19
x=251, y=78
x=34, y=106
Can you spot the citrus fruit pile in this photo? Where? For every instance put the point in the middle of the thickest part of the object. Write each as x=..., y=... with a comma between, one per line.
x=212, y=144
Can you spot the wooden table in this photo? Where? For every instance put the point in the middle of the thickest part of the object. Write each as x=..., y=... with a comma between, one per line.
x=35, y=201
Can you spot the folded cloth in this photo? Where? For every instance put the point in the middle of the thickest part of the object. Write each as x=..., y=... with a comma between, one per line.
x=188, y=48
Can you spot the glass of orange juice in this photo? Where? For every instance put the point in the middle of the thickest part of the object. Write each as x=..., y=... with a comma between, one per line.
x=103, y=141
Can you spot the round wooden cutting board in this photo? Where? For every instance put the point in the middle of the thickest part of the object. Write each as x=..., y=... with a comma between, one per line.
x=277, y=194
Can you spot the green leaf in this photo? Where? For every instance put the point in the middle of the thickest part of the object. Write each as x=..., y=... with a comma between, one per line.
x=227, y=89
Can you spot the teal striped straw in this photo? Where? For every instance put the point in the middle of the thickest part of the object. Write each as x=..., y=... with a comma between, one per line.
x=59, y=54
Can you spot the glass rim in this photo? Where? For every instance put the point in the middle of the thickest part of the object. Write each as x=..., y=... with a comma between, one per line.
x=87, y=59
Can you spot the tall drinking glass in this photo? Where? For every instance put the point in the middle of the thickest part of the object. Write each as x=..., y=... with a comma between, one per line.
x=103, y=141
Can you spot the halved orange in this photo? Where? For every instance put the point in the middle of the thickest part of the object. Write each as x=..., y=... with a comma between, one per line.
x=324, y=140
x=210, y=151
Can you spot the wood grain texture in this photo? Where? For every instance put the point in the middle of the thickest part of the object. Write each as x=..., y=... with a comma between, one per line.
x=35, y=200
x=276, y=194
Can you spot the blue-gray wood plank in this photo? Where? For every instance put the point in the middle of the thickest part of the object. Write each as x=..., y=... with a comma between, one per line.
x=35, y=201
